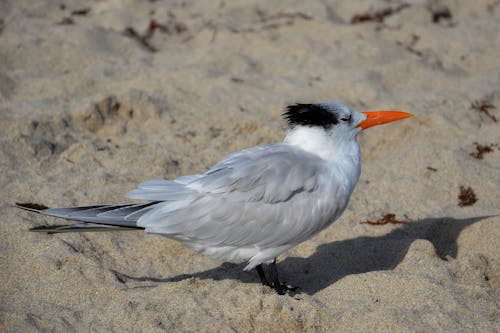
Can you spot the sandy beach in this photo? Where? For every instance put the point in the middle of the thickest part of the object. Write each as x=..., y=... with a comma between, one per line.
x=97, y=96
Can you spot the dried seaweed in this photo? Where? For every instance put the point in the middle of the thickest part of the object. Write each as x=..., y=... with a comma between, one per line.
x=441, y=13
x=410, y=47
x=264, y=17
x=466, y=197
x=377, y=15
x=483, y=149
x=80, y=12
x=386, y=219
x=144, y=39
x=483, y=106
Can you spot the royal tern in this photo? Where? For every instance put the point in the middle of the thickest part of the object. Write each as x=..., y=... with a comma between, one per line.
x=256, y=203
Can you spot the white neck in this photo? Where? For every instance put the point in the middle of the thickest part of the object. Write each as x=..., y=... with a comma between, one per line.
x=339, y=148
x=328, y=145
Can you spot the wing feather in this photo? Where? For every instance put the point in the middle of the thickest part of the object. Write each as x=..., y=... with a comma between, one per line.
x=260, y=197
x=271, y=174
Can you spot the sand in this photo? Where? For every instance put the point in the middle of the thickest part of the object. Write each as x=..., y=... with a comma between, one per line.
x=90, y=105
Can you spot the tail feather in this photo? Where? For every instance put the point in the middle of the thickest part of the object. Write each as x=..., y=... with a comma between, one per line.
x=94, y=218
x=32, y=207
x=80, y=227
x=90, y=214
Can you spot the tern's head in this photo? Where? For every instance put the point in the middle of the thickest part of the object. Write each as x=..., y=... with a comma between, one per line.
x=329, y=128
x=329, y=117
x=337, y=119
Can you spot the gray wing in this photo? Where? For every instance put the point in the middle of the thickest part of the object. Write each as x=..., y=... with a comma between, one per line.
x=269, y=174
x=255, y=197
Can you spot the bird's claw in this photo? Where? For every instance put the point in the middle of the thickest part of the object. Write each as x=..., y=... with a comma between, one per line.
x=283, y=289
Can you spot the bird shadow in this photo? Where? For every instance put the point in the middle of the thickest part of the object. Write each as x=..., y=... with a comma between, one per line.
x=333, y=261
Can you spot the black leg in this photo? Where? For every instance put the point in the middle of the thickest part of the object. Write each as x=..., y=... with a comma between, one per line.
x=262, y=276
x=281, y=289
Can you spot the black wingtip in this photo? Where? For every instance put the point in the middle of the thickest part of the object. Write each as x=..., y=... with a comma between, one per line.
x=32, y=207
x=80, y=227
x=50, y=229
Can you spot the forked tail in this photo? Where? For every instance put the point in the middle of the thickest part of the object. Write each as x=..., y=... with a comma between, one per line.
x=92, y=218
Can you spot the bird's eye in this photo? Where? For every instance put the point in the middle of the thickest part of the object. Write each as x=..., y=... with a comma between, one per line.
x=347, y=118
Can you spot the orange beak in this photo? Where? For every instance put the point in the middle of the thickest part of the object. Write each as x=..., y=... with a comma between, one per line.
x=374, y=118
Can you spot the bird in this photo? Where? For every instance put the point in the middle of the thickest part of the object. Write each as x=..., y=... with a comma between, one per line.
x=254, y=204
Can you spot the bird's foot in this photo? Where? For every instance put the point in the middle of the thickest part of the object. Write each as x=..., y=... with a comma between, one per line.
x=274, y=281
x=282, y=289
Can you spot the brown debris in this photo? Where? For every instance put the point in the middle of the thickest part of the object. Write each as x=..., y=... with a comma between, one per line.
x=66, y=21
x=410, y=47
x=387, y=218
x=440, y=13
x=482, y=149
x=377, y=15
x=275, y=21
x=264, y=17
x=144, y=39
x=431, y=169
x=483, y=106
x=237, y=80
x=466, y=197
x=80, y=12
x=272, y=21
x=171, y=28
